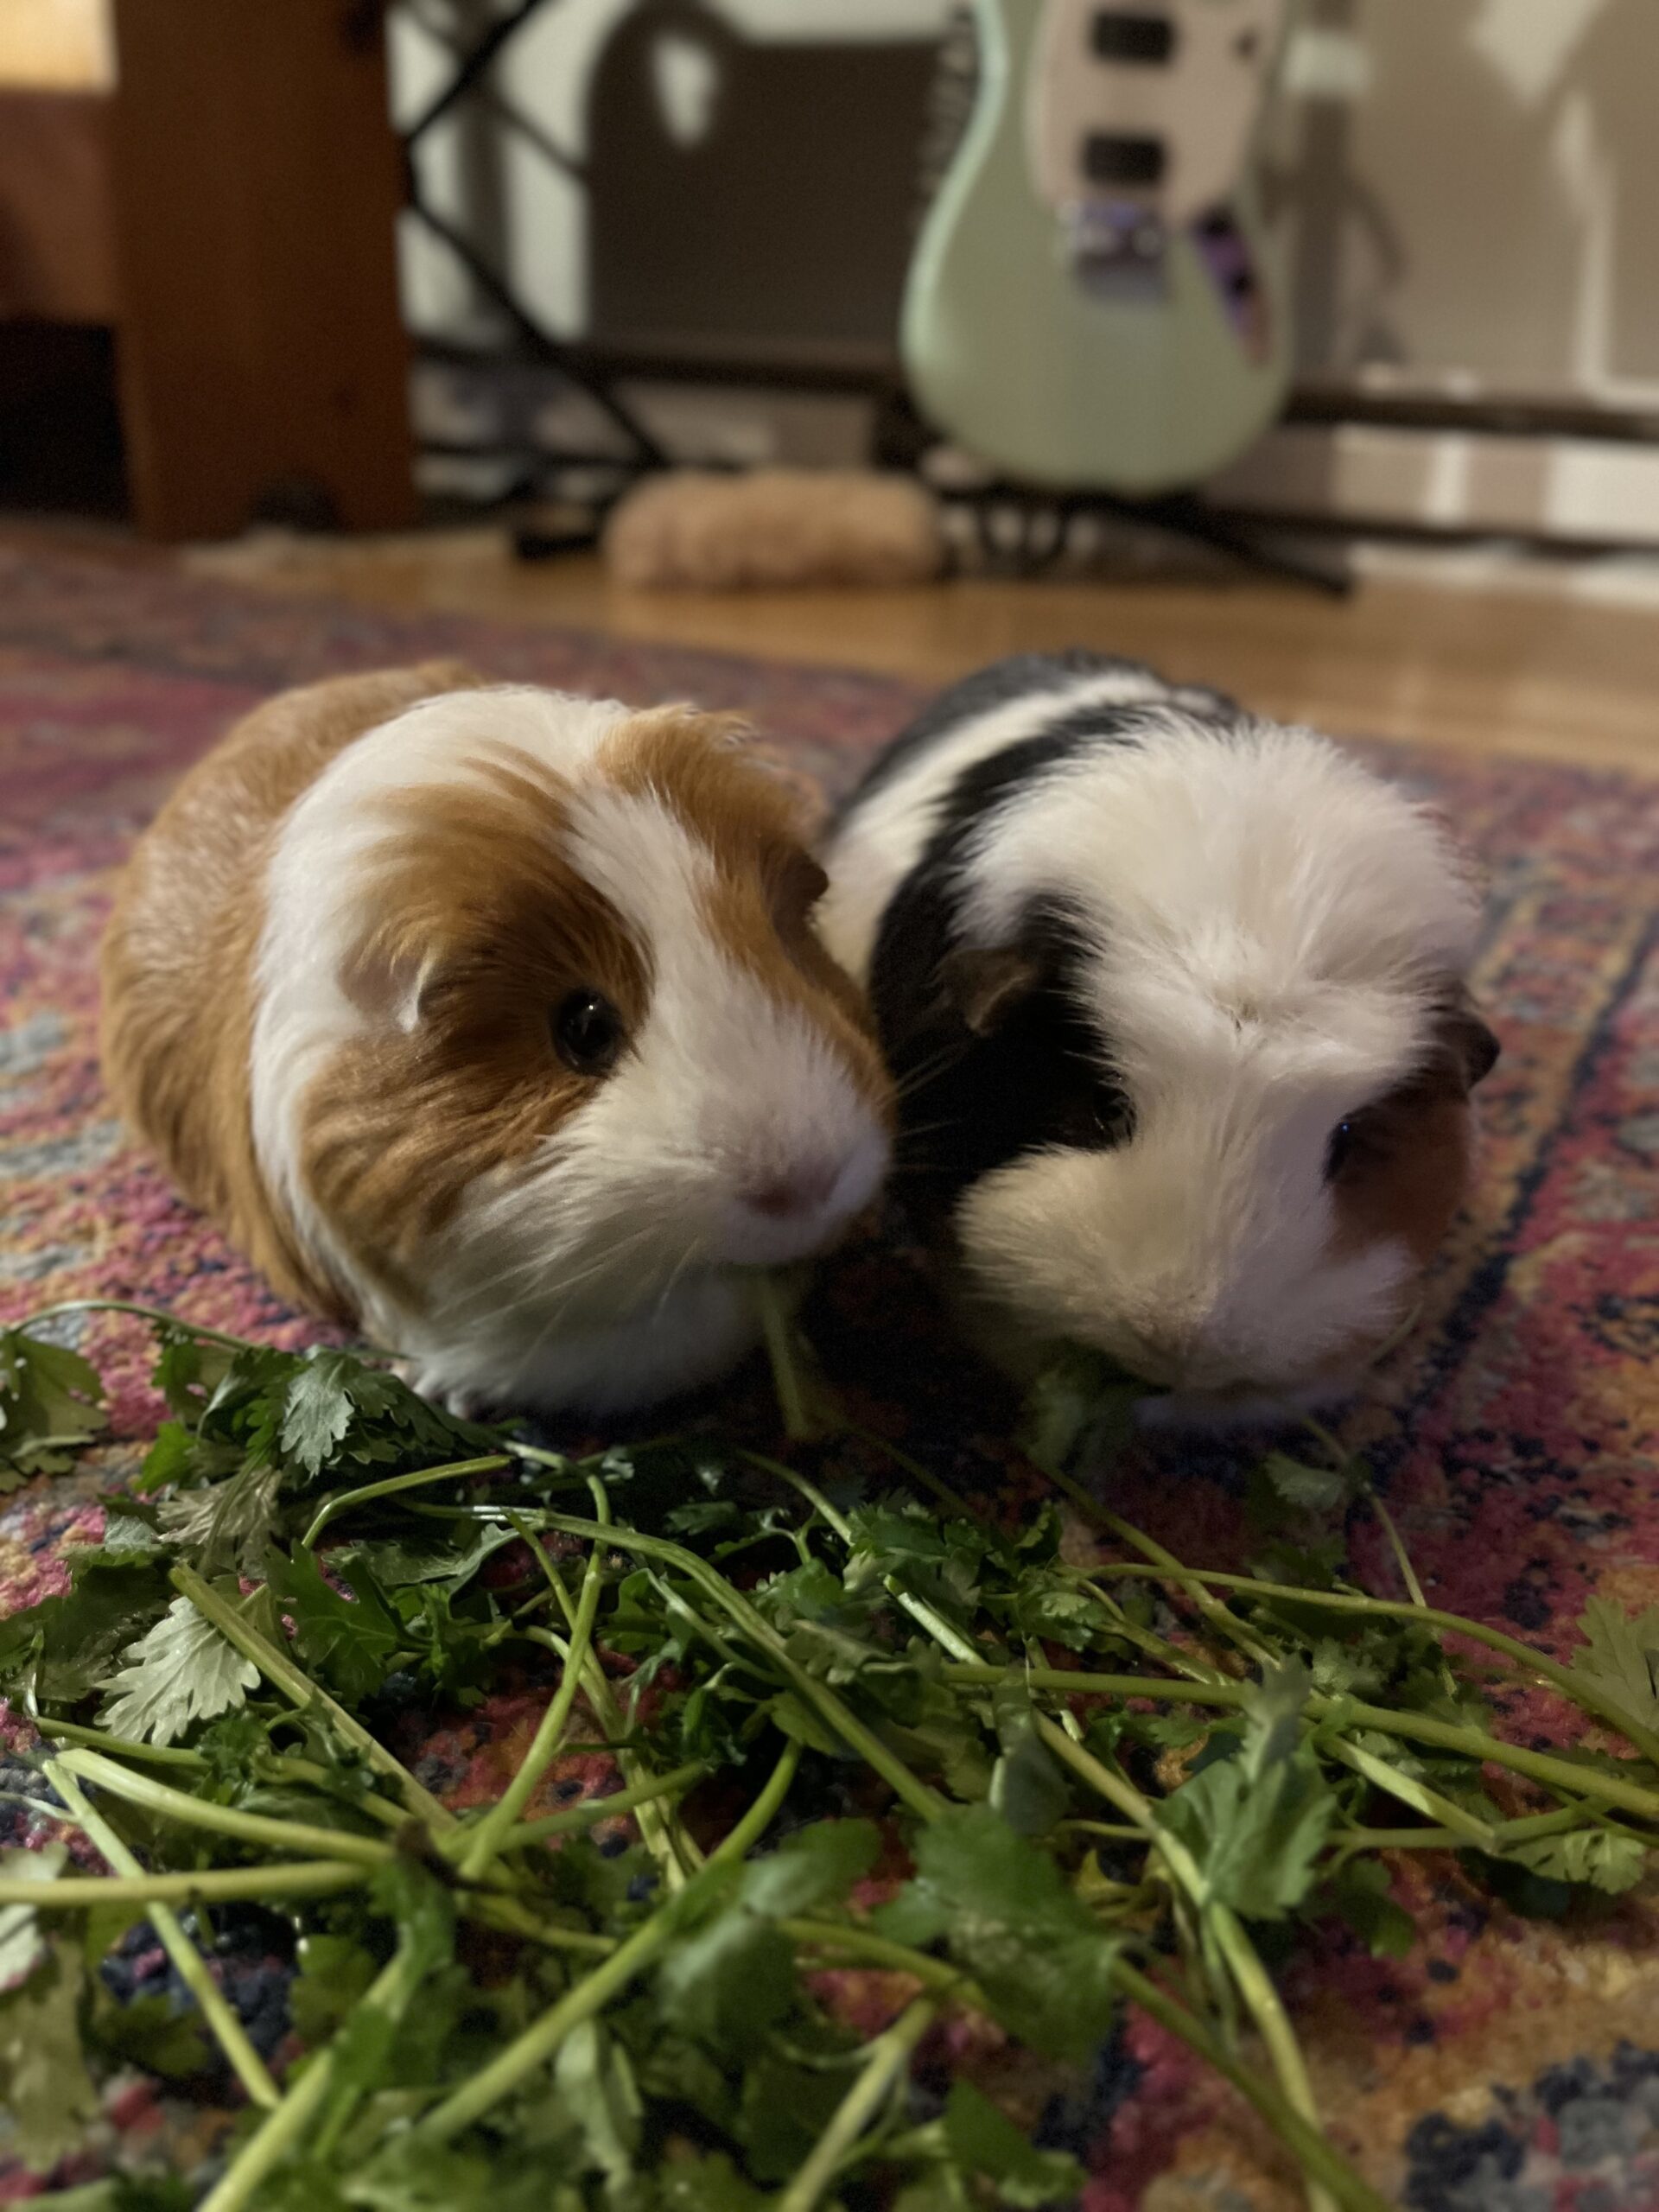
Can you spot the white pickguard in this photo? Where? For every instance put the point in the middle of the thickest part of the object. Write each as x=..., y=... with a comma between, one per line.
x=1199, y=106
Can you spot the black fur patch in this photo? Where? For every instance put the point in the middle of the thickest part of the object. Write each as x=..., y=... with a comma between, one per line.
x=1021, y=677
x=1042, y=1076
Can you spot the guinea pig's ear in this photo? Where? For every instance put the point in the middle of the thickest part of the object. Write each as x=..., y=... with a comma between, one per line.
x=984, y=983
x=1464, y=1044
x=391, y=978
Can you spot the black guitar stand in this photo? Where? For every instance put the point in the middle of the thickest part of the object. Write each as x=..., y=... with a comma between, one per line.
x=1025, y=532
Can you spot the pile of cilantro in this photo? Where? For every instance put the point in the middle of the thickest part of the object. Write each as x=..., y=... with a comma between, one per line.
x=1085, y=1777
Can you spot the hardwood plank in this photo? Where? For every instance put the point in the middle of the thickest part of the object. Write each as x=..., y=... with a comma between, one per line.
x=258, y=185
x=1515, y=671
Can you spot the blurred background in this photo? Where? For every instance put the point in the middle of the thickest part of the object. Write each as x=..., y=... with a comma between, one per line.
x=716, y=202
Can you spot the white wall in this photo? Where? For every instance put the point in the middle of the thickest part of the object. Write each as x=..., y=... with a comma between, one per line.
x=1488, y=208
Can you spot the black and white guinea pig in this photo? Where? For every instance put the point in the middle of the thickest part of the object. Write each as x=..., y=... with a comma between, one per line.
x=1175, y=1002
x=492, y=1021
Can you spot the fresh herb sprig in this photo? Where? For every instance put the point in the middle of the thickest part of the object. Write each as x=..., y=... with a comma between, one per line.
x=1085, y=1786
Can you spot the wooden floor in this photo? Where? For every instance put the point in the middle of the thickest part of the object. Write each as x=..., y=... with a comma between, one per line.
x=1507, y=670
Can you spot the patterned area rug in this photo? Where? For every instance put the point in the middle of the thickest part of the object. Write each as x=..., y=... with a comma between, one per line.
x=1509, y=2064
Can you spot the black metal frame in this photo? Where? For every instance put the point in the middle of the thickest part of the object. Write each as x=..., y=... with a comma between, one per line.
x=538, y=344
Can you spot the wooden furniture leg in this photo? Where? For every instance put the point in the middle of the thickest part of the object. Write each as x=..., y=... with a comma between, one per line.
x=257, y=182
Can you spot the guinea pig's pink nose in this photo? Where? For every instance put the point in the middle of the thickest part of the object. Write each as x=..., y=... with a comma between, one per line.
x=799, y=1190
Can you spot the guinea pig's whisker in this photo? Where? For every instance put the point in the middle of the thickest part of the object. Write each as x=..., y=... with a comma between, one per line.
x=573, y=1285
x=678, y=1273
x=927, y=1071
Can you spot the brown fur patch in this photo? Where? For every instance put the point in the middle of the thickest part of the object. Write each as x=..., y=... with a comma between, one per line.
x=177, y=957
x=477, y=908
x=752, y=825
x=1408, y=1171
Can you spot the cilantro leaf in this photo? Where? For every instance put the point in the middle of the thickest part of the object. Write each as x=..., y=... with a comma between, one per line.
x=68, y=1642
x=1597, y=1857
x=1027, y=1787
x=596, y=2084
x=349, y=1640
x=1007, y=1917
x=736, y=1977
x=226, y=1524
x=44, y=2083
x=1360, y=1894
x=730, y=1984
x=1080, y=1410
x=319, y=1409
x=1620, y=1658
x=51, y=1405
x=814, y=1867
x=22, y=1944
x=987, y=2142
x=179, y=1672
x=1311, y=1490
x=1256, y=1823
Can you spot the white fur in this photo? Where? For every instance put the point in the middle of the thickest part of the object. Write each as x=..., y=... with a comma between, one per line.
x=867, y=866
x=1264, y=925
x=608, y=1270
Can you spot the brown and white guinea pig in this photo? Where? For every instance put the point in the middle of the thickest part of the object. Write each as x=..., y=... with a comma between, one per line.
x=1175, y=1003
x=492, y=1021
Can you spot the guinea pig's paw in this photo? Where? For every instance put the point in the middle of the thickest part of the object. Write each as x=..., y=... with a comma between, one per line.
x=427, y=1382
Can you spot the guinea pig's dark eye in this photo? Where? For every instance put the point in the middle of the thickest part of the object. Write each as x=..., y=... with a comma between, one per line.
x=1339, y=1150
x=588, y=1032
x=1114, y=1117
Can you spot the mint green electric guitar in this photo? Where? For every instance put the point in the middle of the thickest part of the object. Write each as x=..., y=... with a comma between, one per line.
x=1095, y=301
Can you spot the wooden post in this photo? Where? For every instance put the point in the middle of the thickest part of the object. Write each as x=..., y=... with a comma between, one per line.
x=257, y=184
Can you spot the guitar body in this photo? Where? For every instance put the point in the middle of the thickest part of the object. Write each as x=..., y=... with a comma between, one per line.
x=1071, y=370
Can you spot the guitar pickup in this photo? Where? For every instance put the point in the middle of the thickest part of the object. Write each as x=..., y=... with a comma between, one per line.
x=1141, y=40
x=1110, y=157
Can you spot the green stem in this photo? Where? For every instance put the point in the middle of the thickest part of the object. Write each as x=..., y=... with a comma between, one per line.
x=951, y=1638
x=1528, y=1829
x=1219, y=1617
x=293, y=2117
x=1262, y=2002
x=885, y=2062
x=529, y=2051
x=488, y=1836
x=1402, y=1557
x=1538, y=1766
x=1575, y=1687
x=144, y=1313
x=860, y=1947
x=833, y=1710
x=799, y=1426
x=228, y=2031
x=225, y=1820
x=68, y=1731
x=311, y=1878
x=593, y=1809
x=297, y=1686
x=343, y=1502
x=658, y=1831
x=1059, y=1678
x=1249, y=1977
x=1468, y=1827
x=1320, y=2158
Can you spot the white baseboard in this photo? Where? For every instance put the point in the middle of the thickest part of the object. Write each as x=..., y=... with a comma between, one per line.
x=1575, y=490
